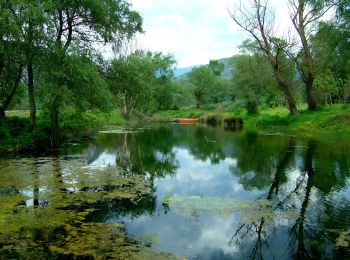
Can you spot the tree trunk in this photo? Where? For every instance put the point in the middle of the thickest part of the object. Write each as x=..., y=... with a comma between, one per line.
x=31, y=97
x=54, y=125
x=291, y=101
x=285, y=89
x=310, y=96
x=2, y=112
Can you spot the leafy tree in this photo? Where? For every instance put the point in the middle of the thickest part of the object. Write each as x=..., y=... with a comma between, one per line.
x=164, y=67
x=131, y=79
x=216, y=67
x=326, y=86
x=331, y=48
x=78, y=25
x=202, y=80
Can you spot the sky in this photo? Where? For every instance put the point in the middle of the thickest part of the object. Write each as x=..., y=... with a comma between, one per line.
x=195, y=31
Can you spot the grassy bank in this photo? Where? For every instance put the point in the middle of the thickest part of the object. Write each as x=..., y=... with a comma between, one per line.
x=16, y=135
x=326, y=120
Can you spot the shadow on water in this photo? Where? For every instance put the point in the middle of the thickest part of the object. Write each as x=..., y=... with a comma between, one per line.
x=194, y=191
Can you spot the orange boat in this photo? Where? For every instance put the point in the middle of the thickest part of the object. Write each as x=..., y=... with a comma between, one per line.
x=186, y=121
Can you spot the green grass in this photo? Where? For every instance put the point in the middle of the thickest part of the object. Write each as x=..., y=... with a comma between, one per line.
x=18, y=113
x=325, y=120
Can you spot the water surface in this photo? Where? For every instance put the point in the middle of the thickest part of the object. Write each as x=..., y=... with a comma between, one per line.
x=185, y=190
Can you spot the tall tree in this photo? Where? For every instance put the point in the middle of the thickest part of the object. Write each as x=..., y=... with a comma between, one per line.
x=82, y=25
x=304, y=14
x=259, y=22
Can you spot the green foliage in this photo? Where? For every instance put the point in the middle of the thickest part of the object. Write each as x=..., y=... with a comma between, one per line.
x=202, y=81
x=216, y=67
x=141, y=82
x=326, y=87
x=16, y=135
x=254, y=82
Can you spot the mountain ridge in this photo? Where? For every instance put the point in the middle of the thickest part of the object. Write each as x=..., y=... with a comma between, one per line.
x=182, y=72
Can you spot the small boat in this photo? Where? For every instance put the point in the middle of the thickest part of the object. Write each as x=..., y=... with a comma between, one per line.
x=186, y=121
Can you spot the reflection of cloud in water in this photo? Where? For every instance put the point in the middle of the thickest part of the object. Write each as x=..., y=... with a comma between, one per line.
x=185, y=237
x=194, y=236
x=104, y=160
x=195, y=177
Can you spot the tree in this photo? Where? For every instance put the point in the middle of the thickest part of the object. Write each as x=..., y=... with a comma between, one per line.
x=304, y=14
x=130, y=80
x=81, y=25
x=253, y=77
x=260, y=24
x=164, y=67
x=216, y=67
x=202, y=80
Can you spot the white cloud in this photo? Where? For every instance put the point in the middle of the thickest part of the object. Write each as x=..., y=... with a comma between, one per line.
x=196, y=31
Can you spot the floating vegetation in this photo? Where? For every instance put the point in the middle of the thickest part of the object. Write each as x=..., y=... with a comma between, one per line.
x=343, y=240
x=194, y=206
x=47, y=204
x=121, y=131
x=262, y=209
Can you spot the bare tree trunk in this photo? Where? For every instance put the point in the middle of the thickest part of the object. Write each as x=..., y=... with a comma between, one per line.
x=284, y=86
x=291, y=101
x=310, y=96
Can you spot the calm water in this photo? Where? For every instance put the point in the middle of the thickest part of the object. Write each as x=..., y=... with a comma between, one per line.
x=187, y=190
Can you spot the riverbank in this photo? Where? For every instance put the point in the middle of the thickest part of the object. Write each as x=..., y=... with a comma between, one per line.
x=16, y=135
x=327, y=120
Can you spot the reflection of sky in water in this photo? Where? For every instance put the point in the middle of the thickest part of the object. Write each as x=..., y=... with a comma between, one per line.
x=104, y=160
x=205, y=234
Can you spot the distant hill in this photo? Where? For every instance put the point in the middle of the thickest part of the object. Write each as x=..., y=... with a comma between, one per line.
x=181, y=72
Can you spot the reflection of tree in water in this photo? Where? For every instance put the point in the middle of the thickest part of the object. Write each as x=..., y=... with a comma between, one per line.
x=258, y=157
x=206, y=144
x=147, y=153
x=308, y=239
x=259, y=226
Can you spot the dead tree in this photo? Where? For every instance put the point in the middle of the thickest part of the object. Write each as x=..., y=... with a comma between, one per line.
x=255, y=18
